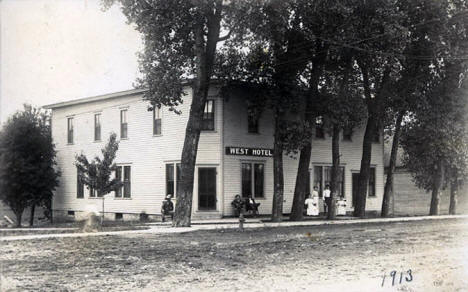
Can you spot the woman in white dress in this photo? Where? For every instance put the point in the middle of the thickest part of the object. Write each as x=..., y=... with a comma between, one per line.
x=312, y=205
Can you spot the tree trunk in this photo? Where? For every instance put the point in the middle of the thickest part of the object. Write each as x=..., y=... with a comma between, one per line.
x=388, y=196
x=453, y=198
x=183, y=209
x=335, y=172
x=278, y=180
x=363, y=181
x=19, y=216
x=301, y=183
x=205, y=55
x=438, y=178
x=302, y=176
x=31, y=219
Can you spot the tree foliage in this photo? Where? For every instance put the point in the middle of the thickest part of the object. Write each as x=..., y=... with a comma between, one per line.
x=28, y=174
x=97, y=174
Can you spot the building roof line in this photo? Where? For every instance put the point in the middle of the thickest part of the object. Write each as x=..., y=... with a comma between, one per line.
x=95, y=98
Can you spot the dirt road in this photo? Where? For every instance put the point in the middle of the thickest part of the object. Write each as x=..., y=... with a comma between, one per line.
x=425, y=255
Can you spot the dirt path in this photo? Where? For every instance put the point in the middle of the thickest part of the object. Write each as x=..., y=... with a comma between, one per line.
x=319, y=258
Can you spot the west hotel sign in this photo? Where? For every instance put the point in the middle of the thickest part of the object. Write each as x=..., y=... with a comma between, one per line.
x=243, y=151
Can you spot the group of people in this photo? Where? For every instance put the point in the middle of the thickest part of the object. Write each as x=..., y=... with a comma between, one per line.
x=312, y=201
x=245, y=205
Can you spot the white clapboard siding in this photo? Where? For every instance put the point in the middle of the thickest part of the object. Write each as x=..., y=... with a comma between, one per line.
x=145, y=153
x=236, y=134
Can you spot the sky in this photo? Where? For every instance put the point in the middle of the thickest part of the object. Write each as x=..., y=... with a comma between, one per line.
x=59, y=50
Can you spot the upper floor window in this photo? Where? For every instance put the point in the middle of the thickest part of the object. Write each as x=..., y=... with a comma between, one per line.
x=123, y=174
x=376, y=136
x=252, y=121
x=97, y=127
x=156, y=121
x=347, y=133
x=208, y=116
x=319, y=129
x=123, y=124
x=70, y=130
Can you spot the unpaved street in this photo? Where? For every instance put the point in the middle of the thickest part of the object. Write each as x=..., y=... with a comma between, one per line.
x=319, y=258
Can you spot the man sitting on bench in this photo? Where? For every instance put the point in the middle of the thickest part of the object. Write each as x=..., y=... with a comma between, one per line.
x=167, y=208
x=251, y=205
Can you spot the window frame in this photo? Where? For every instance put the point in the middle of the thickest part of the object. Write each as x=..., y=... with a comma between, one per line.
x=253, y=181
x=376, y=136
x=208, y=118
x=324, y=182
x=97, y=127
x=70, y=130
x=176, y=172
x=347, y=136
x=253, y=124
x=157, y=121
x=124, y=123
x=79, y=185
x=120, y=174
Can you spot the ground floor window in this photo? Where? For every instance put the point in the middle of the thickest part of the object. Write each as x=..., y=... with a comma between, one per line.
x=253, y=177
x=173, y=171
x=79, y=186
x=322, y=177
x=123, y=174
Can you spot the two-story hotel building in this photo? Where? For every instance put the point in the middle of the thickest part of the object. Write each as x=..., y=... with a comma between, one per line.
x=234, y=156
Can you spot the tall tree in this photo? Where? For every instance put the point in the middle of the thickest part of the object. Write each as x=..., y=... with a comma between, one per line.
x=343, y=108
x=380, y=37
x=180, y=40
x=435, y=141
x=427, y=26
x=28, y=175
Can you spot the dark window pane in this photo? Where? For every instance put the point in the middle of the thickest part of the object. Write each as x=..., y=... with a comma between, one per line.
x=258, y=179
x=347, y=133
x=308, y=182
x=157, y=121
x=319, y=131
x=123, y=124
x=318, y=179
x=376, y=136
x=127, y=182
x=70, y=130
x=170, y=179
x=328, y=178
x=118, y=176
x=252, y=123
x=246, y=179
x=97, y=127
x=208, y=116
x=79, y=186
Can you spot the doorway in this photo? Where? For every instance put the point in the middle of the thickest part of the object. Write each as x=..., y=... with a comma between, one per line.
x=207, y=188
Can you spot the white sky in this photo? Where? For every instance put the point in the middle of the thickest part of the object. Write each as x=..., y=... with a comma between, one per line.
x=58, y=50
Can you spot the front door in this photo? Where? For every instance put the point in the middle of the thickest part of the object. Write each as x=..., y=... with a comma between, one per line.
x=207, y=188
x=355, y=187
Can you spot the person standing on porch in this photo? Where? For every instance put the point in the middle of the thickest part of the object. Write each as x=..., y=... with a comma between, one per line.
x=326, y=197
